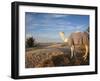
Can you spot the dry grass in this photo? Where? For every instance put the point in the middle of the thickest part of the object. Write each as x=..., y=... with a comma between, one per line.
x=54, y=56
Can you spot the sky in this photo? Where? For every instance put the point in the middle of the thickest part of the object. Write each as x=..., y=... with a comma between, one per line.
x=45, y=27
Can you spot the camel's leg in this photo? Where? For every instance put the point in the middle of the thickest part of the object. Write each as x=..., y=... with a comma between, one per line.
x=86, y=52
x=72, y=51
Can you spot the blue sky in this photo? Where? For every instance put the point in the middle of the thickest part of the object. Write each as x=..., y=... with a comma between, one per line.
x=45, y=27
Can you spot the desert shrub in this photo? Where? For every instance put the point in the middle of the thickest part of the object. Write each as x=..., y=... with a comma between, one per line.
x=30, y=42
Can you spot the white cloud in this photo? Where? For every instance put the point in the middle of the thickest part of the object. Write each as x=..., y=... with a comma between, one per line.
x=60, y=15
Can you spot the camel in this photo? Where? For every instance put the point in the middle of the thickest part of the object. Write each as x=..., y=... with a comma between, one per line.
x=77, y=39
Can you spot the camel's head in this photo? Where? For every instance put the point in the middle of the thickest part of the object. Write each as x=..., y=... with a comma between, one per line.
x=62, y=35
x=61, y=32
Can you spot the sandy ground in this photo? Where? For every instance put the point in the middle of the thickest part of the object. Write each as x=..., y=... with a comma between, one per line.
x=53, y=55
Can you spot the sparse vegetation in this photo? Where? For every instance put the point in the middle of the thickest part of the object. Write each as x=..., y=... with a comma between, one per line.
x=30, y=42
